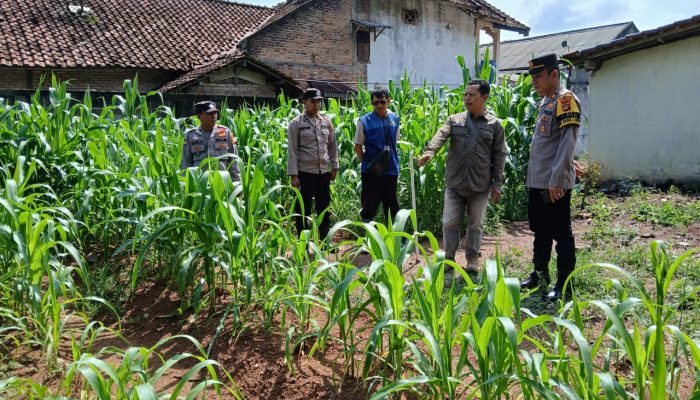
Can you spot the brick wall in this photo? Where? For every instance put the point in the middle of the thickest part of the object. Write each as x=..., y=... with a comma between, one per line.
x=103, y=80
x=316, y=42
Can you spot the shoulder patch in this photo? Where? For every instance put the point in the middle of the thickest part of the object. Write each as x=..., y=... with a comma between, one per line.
x=221, y=131
x=567, y=112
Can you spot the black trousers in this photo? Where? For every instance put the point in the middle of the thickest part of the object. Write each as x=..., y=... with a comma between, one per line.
x=378, y=190
x=314, y=187
x=552, y=222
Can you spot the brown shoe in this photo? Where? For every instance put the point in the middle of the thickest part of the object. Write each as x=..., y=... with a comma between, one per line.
x=472, y=264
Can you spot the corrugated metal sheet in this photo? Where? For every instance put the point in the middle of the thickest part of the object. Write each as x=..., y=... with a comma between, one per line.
x=333, y=89
x=678, y=30
x=515, y=54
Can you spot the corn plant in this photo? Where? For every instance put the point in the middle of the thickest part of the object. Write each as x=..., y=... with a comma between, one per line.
x=74, y=180
x=645, y=345
x=132, y=377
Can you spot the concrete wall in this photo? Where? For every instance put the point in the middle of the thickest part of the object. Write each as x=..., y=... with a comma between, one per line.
x=427, y=50
x=644, y=108
x=578, y=83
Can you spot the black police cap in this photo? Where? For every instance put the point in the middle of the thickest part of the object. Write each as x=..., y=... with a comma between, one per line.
x=540, y=63
x=205, y=107
x=312, y=94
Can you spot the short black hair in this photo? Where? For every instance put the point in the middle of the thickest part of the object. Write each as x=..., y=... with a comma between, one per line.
x=379, y=93
x=484, y=86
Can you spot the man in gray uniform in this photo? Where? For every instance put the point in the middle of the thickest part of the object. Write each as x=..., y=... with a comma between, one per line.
x=312, y=160
x=210, y=140
x=474, y=169
x=550, y=176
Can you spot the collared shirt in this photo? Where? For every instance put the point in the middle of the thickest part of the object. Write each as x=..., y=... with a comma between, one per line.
x=475, y=160
x=311, y=145
x=200, y=145
x=554, y=141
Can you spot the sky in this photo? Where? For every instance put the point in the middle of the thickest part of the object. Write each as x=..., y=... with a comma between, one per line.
x=550, y=16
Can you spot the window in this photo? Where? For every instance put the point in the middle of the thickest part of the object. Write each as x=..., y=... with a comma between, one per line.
x=362, y=40
x=410, y=17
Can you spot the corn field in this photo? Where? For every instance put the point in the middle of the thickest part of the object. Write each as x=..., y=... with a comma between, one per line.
x=77, y=178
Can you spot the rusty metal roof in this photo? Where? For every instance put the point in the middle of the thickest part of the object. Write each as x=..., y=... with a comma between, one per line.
x=333, y=89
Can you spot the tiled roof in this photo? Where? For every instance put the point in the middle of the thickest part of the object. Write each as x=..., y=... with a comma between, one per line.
x=486, y=11
x=284, y=9
x=202, y=70
x=479, y=8
x=159, y=34
x=224, y=60
x=515, y=54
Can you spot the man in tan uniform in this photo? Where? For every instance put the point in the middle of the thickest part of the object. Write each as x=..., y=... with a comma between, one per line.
x=209, y=140
x=474, y=170
x=312, y=161
x=551, y=175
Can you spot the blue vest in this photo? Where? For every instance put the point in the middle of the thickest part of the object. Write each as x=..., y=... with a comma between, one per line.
x=374, y=128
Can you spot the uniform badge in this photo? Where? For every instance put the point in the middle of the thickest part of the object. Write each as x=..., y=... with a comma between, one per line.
x=550, y=106
x=567, y=112
x=221, y=131
x=565, y=103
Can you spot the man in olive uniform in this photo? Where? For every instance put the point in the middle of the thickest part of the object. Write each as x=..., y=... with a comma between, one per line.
x=312, y=160
x=210, y=140
x=551, y=175
x=474, y=170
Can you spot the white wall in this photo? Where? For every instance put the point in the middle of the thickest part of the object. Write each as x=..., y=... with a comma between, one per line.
x=644, y=109
x=426, y=50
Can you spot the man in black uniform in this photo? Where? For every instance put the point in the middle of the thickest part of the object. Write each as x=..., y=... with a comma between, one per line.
x=550, y=176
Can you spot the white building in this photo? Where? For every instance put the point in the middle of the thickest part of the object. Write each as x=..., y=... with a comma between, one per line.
x=643, y=104
x=423, y=38
x=515, y=56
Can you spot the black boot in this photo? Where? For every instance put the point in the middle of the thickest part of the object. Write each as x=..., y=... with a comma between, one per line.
x=566, y=262
x=535, y=280
x=558, y=293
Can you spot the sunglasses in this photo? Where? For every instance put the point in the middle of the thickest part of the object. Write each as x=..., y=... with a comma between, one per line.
x=378, y=102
